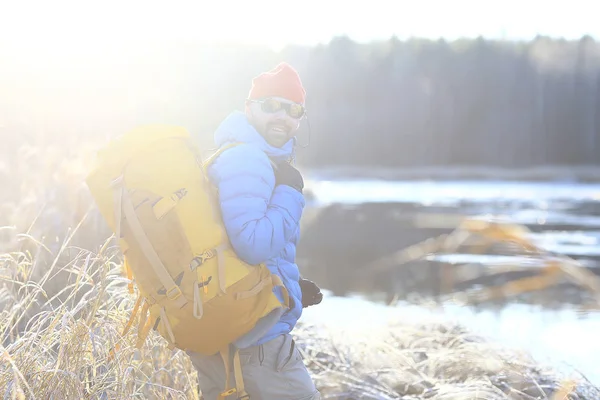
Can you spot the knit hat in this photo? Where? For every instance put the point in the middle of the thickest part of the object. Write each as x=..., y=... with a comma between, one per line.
x=281, y=81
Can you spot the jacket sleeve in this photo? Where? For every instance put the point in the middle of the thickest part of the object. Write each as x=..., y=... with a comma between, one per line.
x=259, y=218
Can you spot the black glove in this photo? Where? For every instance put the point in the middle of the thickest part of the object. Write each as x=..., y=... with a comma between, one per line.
x=311, y=294
x=286, y=174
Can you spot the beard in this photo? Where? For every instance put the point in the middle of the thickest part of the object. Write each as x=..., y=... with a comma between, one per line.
x=277, y=133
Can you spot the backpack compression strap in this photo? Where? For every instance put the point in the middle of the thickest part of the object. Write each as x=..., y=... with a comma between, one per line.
x=173, y=291
x=239, y=388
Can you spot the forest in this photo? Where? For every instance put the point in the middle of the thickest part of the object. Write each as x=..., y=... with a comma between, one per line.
x=391, y=103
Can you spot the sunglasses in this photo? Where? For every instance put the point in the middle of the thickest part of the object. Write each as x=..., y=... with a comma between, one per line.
x=272, y=106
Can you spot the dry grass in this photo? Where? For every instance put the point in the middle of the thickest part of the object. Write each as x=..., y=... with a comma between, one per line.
x=64, y=303
x=426, y=361
x=57, y=347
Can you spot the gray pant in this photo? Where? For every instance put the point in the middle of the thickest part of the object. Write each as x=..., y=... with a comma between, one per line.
x=272, y=371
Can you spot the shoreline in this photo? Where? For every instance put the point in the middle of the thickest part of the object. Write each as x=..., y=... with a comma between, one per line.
x=418, y=338
x=550, y=173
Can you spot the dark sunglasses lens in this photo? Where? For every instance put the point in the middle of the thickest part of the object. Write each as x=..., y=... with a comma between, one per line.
x=271, y=105
x=296, y=110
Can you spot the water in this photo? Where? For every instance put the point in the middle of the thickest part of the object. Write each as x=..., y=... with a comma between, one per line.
x=541, y=194
x=561, y=338
x=566, y=217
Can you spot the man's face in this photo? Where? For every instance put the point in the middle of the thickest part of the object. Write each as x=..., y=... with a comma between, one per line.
x=272, y=121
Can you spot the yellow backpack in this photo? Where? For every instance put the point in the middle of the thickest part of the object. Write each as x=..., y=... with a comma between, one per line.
x=151, y=187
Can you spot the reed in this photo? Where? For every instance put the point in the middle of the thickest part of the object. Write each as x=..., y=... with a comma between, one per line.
x=64, y=303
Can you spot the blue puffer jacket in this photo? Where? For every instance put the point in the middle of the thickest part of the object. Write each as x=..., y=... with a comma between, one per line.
x=262, y=221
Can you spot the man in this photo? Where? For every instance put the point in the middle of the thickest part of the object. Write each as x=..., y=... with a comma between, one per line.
x=261, y=200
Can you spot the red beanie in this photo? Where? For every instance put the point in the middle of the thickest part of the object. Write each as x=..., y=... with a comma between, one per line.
x=281, y=81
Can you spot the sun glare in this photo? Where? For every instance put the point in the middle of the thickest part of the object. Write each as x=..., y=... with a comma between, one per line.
x=71, y=61
x=75, y=61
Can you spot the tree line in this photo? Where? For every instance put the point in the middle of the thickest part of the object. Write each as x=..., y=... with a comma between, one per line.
x=391, y=103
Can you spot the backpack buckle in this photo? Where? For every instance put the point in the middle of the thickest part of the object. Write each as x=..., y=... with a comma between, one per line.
x=229, y=392
x=199, y=260
x=208, y=254
x=173, y=293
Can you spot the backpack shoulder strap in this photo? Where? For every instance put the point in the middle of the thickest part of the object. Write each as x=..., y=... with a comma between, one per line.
x=210, y=159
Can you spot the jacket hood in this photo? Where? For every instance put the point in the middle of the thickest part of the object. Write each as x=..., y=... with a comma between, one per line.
x=237, y=128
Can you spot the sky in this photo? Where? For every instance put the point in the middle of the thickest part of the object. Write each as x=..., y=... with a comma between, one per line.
x=278, y=23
